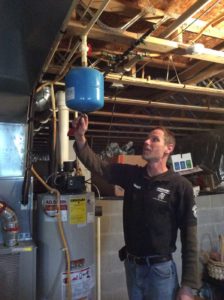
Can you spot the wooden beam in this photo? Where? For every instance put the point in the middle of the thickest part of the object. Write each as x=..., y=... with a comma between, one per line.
x=118, y=132
x=149, y=127
x=198, y=5
x=154, y=62
x=151, y=44
x=210, y=71
x=155, y=15
x=164, y=85
x=201, y=70
x=122, y=137
x=156, y=118
x=131, y=134
x=165, y=105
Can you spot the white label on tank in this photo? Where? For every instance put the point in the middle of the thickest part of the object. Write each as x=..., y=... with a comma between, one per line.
x=82, y=282
x=50, y=210
x=90, y=217
x=70, y=93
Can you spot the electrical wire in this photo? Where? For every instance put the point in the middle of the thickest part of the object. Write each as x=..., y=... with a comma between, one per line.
x=60, y=228
x=175, y=70
x=95, y=186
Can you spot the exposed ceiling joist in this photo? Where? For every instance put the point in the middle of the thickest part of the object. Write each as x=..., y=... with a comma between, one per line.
x=157, y=16
x=142, y=126
x=151, y=44
x=197, y=6
x=210, y=71
x=164, y=85
x=175, y=66
x=199, y=72
x=165, y=105
x=157, y=118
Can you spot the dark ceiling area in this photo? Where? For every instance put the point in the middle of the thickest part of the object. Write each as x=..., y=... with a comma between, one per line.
x=27, y=32
x=162, y=63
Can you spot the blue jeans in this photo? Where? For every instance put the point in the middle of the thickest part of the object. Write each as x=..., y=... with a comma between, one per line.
x=151, y=282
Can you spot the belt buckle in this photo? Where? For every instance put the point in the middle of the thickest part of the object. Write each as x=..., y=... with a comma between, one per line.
x=140, y=260
x=133, y=258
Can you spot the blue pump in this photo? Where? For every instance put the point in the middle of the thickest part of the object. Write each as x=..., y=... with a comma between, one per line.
x=84, y=89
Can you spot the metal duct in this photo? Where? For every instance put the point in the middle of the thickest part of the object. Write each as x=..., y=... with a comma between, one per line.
x=27, y=31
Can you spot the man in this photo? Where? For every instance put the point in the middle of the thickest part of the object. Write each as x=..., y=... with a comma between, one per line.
x=157, y=202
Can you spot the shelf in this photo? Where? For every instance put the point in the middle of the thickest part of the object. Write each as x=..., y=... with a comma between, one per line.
x=191, y=171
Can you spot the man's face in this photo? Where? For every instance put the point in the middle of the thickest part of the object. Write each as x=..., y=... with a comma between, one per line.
x=154, y=148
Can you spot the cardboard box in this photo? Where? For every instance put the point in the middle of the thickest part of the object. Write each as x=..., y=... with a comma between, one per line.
x=107, y=189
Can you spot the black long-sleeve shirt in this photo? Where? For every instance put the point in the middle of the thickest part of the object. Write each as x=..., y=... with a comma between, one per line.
x=154, y=208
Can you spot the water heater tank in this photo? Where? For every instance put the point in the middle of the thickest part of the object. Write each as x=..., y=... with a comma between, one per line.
x=84, y=89
x=78, y=220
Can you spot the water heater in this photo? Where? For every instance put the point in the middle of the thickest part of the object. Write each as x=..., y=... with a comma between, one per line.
x=77, y=214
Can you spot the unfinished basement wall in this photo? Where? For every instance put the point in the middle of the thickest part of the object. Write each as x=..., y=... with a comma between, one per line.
x=113, y=284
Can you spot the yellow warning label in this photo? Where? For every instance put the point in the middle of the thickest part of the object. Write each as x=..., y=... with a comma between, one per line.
x=77, y=211
x=27, y=249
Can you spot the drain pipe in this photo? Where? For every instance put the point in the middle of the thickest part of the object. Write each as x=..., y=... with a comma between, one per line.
x=10, y=225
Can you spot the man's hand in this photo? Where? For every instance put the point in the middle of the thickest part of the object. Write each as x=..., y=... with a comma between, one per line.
x=185, y=293
x=80, y=126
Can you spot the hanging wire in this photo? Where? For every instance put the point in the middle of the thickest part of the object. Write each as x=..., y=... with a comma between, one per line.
x=111, y=119
x=175, y=70
x=117, y=92
x=168, y=70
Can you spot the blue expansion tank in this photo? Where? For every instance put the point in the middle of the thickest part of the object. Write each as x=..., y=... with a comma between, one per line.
x=84, y=89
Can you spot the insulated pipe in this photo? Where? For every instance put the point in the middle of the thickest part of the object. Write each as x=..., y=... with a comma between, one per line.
x=63, y=120
x=10, y=225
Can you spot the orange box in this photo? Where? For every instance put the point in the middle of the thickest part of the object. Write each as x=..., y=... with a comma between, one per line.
x=107, y=189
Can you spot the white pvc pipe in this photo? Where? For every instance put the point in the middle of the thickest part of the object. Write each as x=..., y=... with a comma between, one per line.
x=85, y=32
x=98, y=280
x=63, y=126
x=84, y=50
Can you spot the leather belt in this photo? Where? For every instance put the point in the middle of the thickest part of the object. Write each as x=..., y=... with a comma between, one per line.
x=148, y=260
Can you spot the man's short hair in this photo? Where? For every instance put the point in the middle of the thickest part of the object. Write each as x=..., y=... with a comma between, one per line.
x=168, y=135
